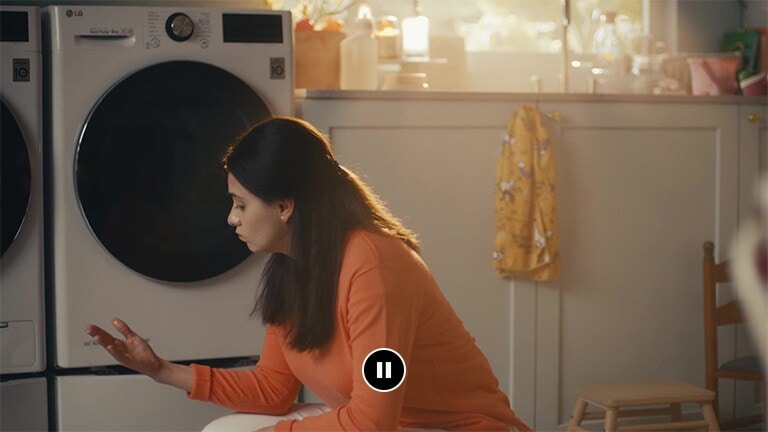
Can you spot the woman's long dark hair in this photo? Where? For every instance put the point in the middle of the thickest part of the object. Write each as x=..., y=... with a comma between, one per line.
x=283, y=158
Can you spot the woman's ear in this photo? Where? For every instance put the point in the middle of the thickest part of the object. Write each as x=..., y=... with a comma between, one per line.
x=285, y=208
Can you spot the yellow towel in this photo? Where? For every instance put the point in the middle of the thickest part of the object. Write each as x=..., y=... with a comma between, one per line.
x=526, y=244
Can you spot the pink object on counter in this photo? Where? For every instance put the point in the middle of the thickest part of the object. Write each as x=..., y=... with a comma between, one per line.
x=714, y=74
x=756, y=85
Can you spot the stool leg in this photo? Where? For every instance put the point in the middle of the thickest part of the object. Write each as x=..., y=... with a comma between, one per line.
x=577, y=415
x=709, y=415
x=675, y=412
x=610, y=419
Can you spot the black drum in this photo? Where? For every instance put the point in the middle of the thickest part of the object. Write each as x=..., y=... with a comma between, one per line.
x=148, y=173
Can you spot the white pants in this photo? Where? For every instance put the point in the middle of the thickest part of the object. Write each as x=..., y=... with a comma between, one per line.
x=250, y=422
x=240, y=422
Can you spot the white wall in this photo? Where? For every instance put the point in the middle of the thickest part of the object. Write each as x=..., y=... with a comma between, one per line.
x=701, y=24
x=756, y=14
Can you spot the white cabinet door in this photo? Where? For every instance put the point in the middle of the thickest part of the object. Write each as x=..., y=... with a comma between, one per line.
x=753, y=152
x=741, y=396
x=640, y=187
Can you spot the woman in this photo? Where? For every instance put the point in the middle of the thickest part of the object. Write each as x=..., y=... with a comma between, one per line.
x=344, y=279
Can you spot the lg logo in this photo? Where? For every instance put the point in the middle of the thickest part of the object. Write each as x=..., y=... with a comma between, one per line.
x=74, y=13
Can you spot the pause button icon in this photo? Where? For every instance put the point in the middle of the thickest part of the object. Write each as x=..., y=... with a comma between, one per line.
x=383, y=369
x=387, y=366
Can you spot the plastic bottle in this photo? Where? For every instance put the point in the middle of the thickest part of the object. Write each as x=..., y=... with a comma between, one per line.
x=612, y=59
x=607, y=43
x=359, y=56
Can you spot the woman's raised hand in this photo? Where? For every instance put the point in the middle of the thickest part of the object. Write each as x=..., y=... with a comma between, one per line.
x=135, y=353
x=132, y=352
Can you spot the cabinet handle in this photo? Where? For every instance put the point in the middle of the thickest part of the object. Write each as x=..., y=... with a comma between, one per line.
x=554, y=116
x=753, y=117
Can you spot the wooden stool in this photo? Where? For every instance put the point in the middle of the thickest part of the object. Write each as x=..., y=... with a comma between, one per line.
x=628, y=400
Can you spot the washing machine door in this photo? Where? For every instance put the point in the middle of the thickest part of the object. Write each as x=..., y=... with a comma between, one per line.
x=148, y=174
x=15, y=178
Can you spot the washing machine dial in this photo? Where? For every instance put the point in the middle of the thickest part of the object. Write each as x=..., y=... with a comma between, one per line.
x=179, y=27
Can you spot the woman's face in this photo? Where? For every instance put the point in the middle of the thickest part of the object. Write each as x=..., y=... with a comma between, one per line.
x=263, y=226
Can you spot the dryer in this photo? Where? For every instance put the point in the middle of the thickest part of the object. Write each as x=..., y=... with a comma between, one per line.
x=144, y=101
x=22, y=325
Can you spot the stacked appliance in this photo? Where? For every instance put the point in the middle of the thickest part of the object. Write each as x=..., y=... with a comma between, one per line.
x=143, y=103
x=23, y=402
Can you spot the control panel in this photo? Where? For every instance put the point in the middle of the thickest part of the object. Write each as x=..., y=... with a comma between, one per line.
x=165, y=28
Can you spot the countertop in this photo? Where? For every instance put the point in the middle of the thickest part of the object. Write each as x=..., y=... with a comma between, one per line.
x=542, y=97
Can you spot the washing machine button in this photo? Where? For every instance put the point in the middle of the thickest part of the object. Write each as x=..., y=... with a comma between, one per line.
x=179, y=27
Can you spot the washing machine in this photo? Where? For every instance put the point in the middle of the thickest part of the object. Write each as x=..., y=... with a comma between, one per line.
x=22, y=327
x=143, y=103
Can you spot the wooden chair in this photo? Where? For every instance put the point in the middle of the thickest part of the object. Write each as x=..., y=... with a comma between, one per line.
x=745, y=368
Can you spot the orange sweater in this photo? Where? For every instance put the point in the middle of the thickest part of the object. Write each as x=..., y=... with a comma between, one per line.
x=387, y=298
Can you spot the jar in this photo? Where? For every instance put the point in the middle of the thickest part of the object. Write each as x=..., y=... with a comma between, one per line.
x=388, y=38
x=646, y=72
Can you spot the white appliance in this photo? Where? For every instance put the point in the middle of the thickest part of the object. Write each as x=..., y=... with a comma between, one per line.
x=22, y=326
x=24, y=405
x=81, y=405
x=143, y=102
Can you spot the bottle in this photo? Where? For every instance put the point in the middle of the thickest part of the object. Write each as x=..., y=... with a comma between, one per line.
x=612, y=59
x=607, y=43
x=359, y=56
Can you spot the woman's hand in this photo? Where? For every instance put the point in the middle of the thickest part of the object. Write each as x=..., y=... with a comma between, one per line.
x=133, y=352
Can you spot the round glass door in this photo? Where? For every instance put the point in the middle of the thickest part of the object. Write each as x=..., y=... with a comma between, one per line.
x=148, y=173
x=15, y=178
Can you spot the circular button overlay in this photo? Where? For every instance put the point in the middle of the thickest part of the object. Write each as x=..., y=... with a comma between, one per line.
x=384, y=370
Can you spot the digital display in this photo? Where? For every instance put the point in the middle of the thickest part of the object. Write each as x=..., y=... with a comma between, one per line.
x=14, y=26
x=253, y=28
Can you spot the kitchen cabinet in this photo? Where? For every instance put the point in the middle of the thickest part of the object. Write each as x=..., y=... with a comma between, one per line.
x=642, y=182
